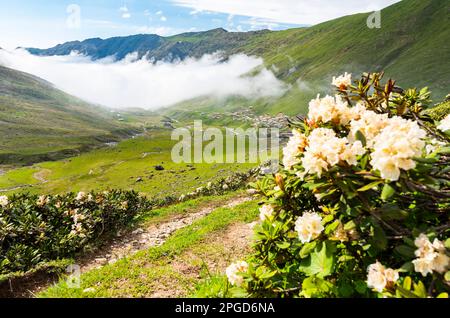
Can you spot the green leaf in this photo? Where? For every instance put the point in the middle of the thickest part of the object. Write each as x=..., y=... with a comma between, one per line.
x=332, y=227
x=444, y=150
x=349, y=226
x=284, y=245
x=370, y=186
x=387, y=192
x=307, y=249
x=360, y=136
x=407, y=267
x=320, y=263
x=316, y=287
x=447, y=243
x=393, y=212
x=426, y=160
x=327, y=219
x=447, y=276
x=443, y=295
x=407, y=252
x=406, y=293
x=407, y=283
x=379, y=238
x=420, y=290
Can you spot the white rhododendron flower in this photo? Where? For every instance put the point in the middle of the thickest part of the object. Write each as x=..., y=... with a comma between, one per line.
x=331, y=109
x=309, y=226
x=81, y=196
x=233, y=273
x=350, y=153
x=434, y=145
x=4, y=201
x=343, y=81
x=369, y=123
x=396, y=146
x=430, y=256
x=445, y=124
x=379, y=276
x=325, y=150
x=42, y=201
x=293, y=149
x=266, y=212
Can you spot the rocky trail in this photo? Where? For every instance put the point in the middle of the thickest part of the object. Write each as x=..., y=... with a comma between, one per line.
x=144, y=238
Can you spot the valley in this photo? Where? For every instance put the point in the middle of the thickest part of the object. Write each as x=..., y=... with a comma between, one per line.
x=70, y=169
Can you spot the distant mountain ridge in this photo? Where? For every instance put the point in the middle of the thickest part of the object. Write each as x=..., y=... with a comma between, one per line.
x=412, y=46
x=157, y=48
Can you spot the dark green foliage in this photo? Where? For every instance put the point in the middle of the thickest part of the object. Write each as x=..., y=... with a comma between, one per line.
x=35, y=230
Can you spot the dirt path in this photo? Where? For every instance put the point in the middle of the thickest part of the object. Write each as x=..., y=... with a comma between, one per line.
x=145, y=237
x=41, y=175
x=231, y=244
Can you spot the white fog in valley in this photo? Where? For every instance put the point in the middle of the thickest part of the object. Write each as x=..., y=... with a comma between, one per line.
x=139, y=83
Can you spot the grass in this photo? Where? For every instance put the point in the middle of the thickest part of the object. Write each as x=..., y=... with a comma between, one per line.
x=147, y=273
x=129, y=166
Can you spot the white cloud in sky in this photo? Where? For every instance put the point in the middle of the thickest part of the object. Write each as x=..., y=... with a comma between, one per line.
x=163, y=19
x=138, y=83
x=287, y=11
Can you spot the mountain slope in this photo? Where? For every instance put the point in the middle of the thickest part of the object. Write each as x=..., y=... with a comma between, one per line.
x=38, y=121
x=412, y=46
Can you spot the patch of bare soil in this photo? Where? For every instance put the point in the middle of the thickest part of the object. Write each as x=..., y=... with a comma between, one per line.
x=216, y=255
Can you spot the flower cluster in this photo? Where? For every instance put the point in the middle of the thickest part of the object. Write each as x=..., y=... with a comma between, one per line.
x=266, y=212
x=325, y=150
x=343, y=81
x=331, y=110
x=368, y=123
x=4, y=201
x=393, y=142
x=234, y=273
x=42, y=201
x=309, y=227
x=430, y=256
x=379, y=276
x=396, y=146
x=445, y=124
x=293, y=149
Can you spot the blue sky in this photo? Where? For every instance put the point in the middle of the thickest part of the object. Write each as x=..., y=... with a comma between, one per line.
x=32, y=23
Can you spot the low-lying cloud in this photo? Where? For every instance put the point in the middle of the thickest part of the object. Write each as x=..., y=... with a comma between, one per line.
x=140, y=83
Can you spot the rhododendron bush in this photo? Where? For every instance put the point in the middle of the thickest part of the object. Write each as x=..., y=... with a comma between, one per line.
x=38, y=229
x=361, y=207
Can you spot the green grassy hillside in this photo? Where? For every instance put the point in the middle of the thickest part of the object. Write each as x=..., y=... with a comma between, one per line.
x=39, y=122
x=129, y=165
x=412, y=46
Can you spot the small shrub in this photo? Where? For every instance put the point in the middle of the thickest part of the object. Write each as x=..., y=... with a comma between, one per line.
x=37, y=229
